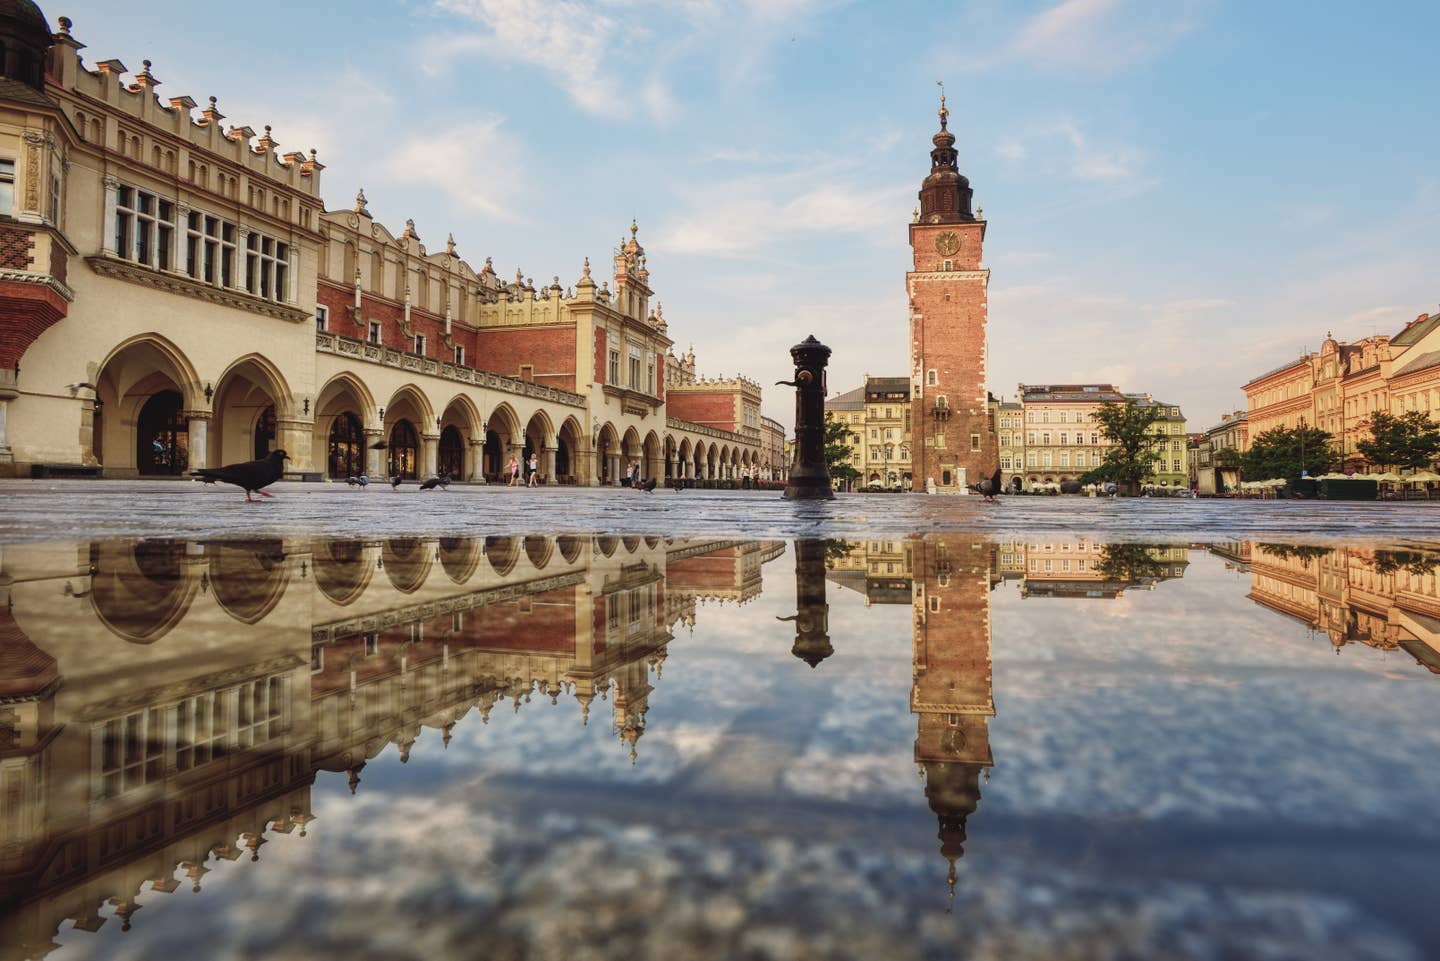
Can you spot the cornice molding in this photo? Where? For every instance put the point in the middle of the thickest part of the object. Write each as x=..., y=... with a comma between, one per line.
x=179, y=284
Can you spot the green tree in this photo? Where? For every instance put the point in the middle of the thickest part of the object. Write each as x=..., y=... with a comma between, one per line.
x=838, y=449
x=1227, y=458
x=1410, y=440
x=1285, y=452
x=1131, y=562
x=1131, y=457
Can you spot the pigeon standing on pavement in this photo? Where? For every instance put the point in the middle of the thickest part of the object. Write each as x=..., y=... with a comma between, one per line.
x=395, y=480
x=648, y=486
x=362, y=481
x=989, y=487
x=441, y=481
x=253, y=475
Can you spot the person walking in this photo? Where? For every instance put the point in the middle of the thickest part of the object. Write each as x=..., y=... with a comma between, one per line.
x=534, y=471
x=630, y=474
x=514, y=468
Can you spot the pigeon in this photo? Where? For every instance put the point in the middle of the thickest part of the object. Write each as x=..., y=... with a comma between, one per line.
x=648, y=486
x=362, y=481
x=252, y=475
x=442, y=482
x=988, y=487
x=395, y=480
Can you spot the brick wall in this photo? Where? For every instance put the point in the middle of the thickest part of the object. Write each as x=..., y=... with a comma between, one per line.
x=28, y=310
x=17, y=248
x=711, y=409
x=601, y=369
x=550, y=350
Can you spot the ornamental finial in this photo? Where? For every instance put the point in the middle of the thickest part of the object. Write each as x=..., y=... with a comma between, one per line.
x=944, y=111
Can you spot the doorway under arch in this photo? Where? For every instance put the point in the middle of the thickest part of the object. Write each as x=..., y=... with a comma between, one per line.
x=162, y=435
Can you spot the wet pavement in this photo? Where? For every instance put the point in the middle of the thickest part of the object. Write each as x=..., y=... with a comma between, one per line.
x=42, y=509
x=588, y=747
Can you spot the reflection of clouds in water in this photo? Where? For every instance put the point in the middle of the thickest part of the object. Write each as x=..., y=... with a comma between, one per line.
x=1204, y=706
x=452, y=876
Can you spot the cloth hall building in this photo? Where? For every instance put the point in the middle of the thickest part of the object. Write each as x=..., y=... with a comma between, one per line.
x=174, y=295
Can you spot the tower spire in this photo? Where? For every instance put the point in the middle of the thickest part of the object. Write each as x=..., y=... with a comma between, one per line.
x=944, y=111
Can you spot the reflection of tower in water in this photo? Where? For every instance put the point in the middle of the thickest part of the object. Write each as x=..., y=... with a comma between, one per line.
x=951, y=693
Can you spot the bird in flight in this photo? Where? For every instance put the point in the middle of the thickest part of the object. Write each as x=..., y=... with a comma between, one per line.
x=252, y=475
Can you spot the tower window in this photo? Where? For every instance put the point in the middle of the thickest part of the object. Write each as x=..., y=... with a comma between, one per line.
x=974, y=441
x=932, y=378
x=949, y=265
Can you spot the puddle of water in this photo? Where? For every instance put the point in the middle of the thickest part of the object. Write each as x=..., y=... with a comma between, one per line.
x=594, y=747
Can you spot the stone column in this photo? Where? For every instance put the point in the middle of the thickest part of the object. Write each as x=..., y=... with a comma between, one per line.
x=178, y=238
x=429, y=465
x=547, y=464
x=296, y=438
x=199, y=424
x=7, y=456
x=617, y=469
x=374, y=464
x=107, y=231
x=477, y=460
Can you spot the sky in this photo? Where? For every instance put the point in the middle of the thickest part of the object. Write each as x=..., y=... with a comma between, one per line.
x=1180, y=195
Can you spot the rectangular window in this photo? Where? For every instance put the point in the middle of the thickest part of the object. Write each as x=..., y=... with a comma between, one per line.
x=322, y=316
x=7, y=187
x=374, y=331
x=143, y=227
x=635, y=382
x=267, y=262
x=614, y=377
x=974, y=441
x=420, y=344
x=459, y=356
x=650, y=379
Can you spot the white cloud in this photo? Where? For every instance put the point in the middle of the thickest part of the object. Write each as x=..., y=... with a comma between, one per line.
x=1011, y=150
x=1101, y=35
x=562, y=37
x=476, y=165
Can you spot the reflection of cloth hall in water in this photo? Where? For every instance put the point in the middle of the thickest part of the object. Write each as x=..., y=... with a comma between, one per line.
x=143, y=726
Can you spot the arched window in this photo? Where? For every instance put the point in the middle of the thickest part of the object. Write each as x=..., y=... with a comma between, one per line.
x=346, y=447
x=452, y=451
x=404, y=450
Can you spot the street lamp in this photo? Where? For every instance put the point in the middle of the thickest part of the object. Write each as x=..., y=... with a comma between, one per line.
x=1302, y=446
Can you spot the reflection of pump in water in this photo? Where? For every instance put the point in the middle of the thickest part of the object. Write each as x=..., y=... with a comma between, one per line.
x=812, y=613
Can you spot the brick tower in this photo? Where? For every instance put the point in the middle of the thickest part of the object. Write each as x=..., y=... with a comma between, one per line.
x=954, y=436
x=952, y=692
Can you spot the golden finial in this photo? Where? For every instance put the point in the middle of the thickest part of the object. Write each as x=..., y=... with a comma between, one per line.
x=944, y=111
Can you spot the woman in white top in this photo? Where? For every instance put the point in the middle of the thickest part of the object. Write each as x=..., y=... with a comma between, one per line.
x=534, y=471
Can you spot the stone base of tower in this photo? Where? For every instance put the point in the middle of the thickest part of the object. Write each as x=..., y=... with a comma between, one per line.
x=954, y=450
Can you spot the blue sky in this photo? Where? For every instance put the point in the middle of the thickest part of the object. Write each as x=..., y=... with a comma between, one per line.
x=1181, y=194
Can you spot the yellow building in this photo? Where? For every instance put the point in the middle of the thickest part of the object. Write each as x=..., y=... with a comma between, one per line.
x=1010, y=425
x=1341, y=386
x=878, y=417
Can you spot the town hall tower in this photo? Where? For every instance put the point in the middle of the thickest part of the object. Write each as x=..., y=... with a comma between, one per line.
x=953, y=435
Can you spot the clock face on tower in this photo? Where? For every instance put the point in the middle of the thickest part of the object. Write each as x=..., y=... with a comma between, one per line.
x=947, y=243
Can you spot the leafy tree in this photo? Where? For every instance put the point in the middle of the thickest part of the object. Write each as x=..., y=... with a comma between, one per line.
x=1303, y=552
x=1131, y=456
x=1410, y=440
x=1227, y=458
x=1419, y=563
x=1131, y=562
x=1285, y=452
x=838, y=449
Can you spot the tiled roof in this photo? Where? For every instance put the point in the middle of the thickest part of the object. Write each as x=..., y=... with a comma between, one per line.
x=1416, y=330
x=1285, y=366
x=23, y=93
x=850, y=400
x=1423, y=362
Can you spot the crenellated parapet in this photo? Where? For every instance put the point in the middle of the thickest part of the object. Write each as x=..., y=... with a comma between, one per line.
x=130, y=119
